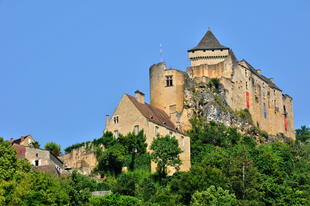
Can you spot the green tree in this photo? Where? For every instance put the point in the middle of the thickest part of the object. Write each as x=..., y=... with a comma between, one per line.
x=111, y=160
x=53, y=147
x=165, y=152
x=126, y=184
x=134, y=144
x=114, y=200
x=214, y=197
x=7, y=160
x=36, y=144
x=303, y=134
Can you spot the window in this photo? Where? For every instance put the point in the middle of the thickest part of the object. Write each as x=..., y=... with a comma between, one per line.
x=36, y=163
x=115, y=120
x=169, y=82
x=137, y=129
x=116, y=134
x=37, y=155
x=156, y=130
x=170, y=134
x=246, y=85
x=182, y=141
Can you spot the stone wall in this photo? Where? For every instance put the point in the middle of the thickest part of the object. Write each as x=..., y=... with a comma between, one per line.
x=44, y=157
x=81, y=159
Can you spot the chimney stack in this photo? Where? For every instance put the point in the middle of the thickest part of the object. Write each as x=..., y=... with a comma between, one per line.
x=11, y=140
x=259, y=71
x=22, y=138
x=139, y=96
x=107, y=119
x=271, y=79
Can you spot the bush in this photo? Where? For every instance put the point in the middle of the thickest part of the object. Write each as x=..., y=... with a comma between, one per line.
x=114, y=200
x=213, y=196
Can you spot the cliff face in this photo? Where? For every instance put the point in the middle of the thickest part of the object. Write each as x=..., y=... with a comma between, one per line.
x=204, y=97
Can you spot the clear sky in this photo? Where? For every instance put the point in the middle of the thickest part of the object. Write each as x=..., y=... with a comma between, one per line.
x=65, y=64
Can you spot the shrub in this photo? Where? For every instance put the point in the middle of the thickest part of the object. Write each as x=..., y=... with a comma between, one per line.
x=114, y=200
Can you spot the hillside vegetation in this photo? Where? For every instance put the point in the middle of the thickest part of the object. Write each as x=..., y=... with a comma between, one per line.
x=227, y=169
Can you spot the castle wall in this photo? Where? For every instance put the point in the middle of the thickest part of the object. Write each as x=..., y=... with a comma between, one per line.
x=266, y=103
x=80, y=158
x=207, y=56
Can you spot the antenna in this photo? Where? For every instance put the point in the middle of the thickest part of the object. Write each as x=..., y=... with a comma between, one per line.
x=161, y=52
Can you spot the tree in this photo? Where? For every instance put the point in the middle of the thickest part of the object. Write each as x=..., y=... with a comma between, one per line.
x=36, y=144
x=165, y=152
x=126, y=184
x=214, y=197
x=303, y=134
x=53, y=147
x=134, y=144
x=7, y=160
x=111, y=160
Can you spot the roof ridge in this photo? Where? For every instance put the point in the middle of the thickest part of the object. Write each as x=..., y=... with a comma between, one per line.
x=208, y=42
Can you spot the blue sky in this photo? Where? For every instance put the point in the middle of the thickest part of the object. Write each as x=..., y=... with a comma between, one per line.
x=64, y=65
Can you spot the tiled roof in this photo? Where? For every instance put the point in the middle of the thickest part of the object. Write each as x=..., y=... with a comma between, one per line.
x=265, y=79
x=153, y=114
x=47, y=168
x=208, y=42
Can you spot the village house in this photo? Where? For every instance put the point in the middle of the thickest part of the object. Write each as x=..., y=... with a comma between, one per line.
x=41, y=159
x=133, y=115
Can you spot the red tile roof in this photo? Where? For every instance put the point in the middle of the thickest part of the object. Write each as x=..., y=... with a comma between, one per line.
x=154, y=114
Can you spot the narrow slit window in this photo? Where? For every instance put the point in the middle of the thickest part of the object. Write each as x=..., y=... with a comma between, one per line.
x=182, y=141
x=170, y=134
x=116, y=134
x=156, y=130
x=137, y=129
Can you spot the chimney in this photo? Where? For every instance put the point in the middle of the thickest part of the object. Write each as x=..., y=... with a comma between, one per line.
x=258, y=71
x=271, y=79
x=22, y=138
x=107, y=119
x=139, y=96
x=11, y=140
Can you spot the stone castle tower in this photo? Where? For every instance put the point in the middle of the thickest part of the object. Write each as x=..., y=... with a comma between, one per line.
x=245, y=87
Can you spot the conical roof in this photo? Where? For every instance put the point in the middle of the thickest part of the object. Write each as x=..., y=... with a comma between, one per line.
x=208, y=42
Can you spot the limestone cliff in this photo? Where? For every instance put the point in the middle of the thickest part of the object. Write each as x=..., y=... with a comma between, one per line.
x=204, y=97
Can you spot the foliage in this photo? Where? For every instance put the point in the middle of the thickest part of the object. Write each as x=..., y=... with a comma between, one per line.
x=165, y=152
x=245, y=115
x=134, y=144
x=303, y=134
x=114, y=200
x=214, y=197
x=36, y=144
x=72, y=147
x=107, y=140
x=214, y=82
x=204, y=134
x=111, y=160
x=126, y=184
x=142, y=161
x=53, y=147
x=7, y=160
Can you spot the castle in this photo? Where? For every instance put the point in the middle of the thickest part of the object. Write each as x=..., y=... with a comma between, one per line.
x=245, y=87
x=169, y=113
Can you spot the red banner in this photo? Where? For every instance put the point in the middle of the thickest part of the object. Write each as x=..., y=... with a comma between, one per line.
x=248, y=100
x=285, y=122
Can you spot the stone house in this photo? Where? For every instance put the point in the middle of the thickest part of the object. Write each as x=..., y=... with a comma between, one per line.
x=245, y=87
x=39, y=158
x=133, y=114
